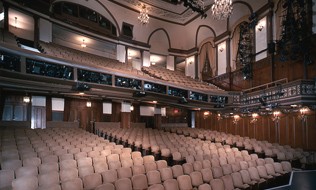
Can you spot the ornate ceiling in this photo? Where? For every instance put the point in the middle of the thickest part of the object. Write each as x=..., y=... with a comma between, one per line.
x=164, y=10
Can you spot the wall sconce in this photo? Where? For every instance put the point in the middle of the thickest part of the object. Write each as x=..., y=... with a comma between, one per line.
x=153, y=63
x=236, y=119
x=26, y=99
x=219, y=117
x=83, y=44
x=260, y=27
x=303, y=113
x=89, y=104
x=254, y=118
x=132, y=108
x=276, y=116
x=15, y=22
x=221, y=49
x=206, y=114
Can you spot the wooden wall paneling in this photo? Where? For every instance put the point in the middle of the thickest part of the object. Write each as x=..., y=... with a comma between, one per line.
x=84, y=116
x=220, y=124
x=226, y=125
x=261, y=128
x=67, y=109
x=197, y=119
x=125, y=119
x=98, y=111
x=240, y=129
x=259, y=67
x=283, y=130
x=135, y=114
x=311, y=124
x=157, y=121
x=251, y=129
x=311, y=70
x=214, y=122
x=272, y=130
x=256, y=128
x=116, y=112
x=246, y=130
x=296, y=70
x=49, y=108
x=299, y=142
x=265, y=128
x=229, y=126
x=291, y=130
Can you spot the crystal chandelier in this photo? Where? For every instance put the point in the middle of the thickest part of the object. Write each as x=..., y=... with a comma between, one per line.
x=221, y=9
x=143, y=16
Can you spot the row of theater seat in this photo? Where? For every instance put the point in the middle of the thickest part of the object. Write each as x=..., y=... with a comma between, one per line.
x=59, y=155
x=177, y=78
x=267, y=167
x=88, y=154
x=297, y=156
x=85, y=58
x=164, y=144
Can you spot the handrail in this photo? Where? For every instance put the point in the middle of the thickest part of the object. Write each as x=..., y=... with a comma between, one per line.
x=267, y=85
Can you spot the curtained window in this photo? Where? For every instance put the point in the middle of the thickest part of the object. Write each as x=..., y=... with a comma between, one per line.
x=207, y=56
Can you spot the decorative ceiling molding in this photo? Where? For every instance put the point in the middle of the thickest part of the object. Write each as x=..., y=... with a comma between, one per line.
x=177, y=14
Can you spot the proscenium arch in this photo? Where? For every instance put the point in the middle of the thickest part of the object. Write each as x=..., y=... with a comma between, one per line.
x=163, y=30
x=197, y=32
x=100, y=4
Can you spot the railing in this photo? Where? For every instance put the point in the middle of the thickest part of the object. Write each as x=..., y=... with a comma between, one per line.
x=267, y=85
x=45, y=68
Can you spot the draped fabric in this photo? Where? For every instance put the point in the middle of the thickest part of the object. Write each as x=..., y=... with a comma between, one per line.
x=202, y=58
x=278, y=20
x=211, y=57
x=234, y=47
x=207, y=52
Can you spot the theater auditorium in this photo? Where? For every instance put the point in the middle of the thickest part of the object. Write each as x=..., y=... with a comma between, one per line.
x=157, y=94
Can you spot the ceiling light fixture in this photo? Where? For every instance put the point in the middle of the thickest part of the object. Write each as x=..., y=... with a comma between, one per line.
x=143, y=15
x=222, y=9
